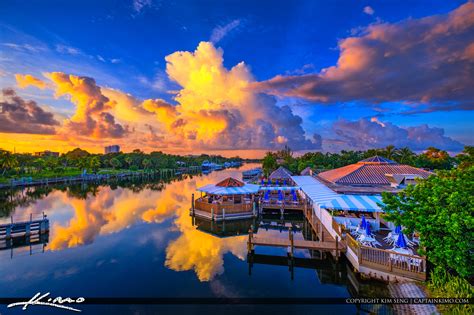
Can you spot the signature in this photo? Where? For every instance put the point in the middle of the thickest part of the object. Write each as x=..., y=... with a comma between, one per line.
x=45, y=300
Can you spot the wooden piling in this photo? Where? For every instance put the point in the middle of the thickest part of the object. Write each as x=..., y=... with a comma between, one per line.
x=337, y=249
x=249, y=243
x=292, y=245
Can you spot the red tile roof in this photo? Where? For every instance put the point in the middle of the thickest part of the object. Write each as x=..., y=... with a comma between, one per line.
x=230, y=182
x=372, y=173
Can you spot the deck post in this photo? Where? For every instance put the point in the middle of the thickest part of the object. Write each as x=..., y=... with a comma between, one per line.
x=290, y=235
x=192, y=203
x=212, y=214
x=249, y=243
x=223, y=213
x=8, y=232
x=337, y=250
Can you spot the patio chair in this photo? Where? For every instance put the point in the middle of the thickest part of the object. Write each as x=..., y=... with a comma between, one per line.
x=391, y=238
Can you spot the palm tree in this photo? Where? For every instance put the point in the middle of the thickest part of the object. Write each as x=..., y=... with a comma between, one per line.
x=389, y=151
x=94, y=164
x=8, y=161
x=404, y=155
x=128, y=160
x=146, y=163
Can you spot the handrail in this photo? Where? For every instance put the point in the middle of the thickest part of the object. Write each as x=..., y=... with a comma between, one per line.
x=217, y=208
x=387, y=260
x=409, y=265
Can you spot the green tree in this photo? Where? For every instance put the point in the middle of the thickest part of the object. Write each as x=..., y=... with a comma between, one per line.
x=404, y=155
x=146, y=163
x=115, y=163
x=93, y=163
x=129, y=160
x=389, y=152
x=269, y=163
x=466, y=158
x=439, y=208
x=8, y=161
x=434, y=158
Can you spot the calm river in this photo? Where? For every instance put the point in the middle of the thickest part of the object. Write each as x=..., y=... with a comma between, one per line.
x=137, y=239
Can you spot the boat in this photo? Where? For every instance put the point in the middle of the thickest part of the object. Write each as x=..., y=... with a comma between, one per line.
x=252, y=174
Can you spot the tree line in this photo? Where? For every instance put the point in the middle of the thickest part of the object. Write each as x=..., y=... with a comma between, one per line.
x=78, y=160
x=432, y=158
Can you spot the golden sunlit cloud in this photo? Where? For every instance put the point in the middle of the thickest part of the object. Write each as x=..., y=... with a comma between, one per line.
x=214, y=110
x=27, y=80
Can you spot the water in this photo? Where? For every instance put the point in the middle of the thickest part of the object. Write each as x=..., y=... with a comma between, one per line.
x=136, y=239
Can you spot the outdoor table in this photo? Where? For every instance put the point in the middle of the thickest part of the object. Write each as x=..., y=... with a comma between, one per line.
x=401, y=258
x=368, y=240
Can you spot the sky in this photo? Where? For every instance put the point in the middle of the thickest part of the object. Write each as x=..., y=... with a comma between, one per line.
x=236, y=77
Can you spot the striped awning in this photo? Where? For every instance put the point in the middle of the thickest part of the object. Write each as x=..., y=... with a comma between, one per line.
x=363, y=203
x=276, y=188
x=219, y=190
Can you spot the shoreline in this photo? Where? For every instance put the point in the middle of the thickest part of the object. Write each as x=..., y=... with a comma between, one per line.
x=28, y=181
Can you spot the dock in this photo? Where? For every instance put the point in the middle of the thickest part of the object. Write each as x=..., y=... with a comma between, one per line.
x=24, y=228
x=335, y=247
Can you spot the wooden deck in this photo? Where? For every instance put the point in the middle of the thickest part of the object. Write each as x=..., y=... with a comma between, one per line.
x=24, y=228
x=282, y=206
x=335, y=248
x=298, y=244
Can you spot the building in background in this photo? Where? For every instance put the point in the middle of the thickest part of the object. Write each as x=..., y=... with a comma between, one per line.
x=47, y=153
x=371, y=176
x=112, y=149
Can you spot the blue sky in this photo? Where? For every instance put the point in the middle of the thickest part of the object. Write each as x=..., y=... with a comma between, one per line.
x=122, y=45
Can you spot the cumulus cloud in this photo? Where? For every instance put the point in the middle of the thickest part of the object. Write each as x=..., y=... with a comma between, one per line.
x=216, y=109
x=23, y=81
x=365, y=134
x=427, y=61
x=20, y=116
x=219, y=32
x=91, y=117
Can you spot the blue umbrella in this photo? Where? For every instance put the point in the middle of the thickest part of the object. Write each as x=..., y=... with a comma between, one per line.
x=294, y=195
x=262, y=182
x=267, y=196
x=280, y=195
x=398, y=229
x=269, y=182
x=367, y=229
x=401, y=241
x=284, y=182
x=363, y=223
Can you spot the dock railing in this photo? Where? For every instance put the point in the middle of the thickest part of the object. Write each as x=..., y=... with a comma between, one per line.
x=410, y=266
x=216, y=208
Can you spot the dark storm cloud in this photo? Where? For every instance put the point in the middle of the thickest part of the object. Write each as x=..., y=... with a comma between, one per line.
x=21, y=116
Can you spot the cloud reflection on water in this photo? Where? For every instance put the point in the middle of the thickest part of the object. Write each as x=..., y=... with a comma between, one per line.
x=110, y=211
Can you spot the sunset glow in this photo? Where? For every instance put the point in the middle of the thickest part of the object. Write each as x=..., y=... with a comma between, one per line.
x=198, y=101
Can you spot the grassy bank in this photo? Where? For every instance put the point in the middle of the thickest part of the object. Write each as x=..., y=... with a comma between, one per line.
x=445, y=285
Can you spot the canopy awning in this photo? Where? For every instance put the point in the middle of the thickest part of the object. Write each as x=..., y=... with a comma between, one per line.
x=276, y=188
x=363, y=203
x=219, y=190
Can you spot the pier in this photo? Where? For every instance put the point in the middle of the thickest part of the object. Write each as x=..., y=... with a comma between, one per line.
x=369, y=261
x=334, y=247
x=24, y=228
